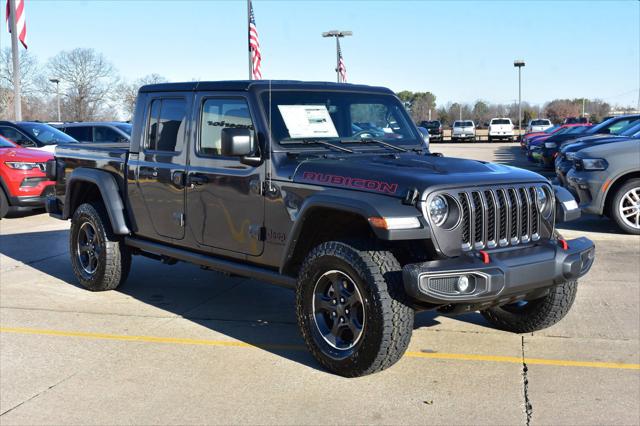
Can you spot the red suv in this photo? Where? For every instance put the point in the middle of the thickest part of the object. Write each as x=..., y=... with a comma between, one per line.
x=24, y=184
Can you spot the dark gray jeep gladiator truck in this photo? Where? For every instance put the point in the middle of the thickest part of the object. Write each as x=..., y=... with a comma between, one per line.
x=328, y=189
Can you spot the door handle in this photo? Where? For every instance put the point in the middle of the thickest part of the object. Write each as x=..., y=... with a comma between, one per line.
x=196, y=179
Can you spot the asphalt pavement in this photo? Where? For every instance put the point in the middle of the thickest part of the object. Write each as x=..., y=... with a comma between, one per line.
x=181, y=345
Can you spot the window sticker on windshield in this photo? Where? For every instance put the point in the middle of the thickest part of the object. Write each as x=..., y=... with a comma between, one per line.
x=308, y=121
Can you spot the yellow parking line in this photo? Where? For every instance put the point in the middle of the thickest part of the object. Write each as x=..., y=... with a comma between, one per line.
x=228, y=343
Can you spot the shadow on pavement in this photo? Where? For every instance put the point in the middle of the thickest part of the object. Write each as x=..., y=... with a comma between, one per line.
x=246, y=310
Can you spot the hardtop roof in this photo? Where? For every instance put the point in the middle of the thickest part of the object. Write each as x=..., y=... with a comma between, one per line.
x=246, y=85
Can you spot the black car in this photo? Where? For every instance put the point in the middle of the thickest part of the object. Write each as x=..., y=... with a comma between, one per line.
x=435, y=129
x=565, y=158
x=274, y=180
x=33, y=134
x=99, y=131
x=612, y=126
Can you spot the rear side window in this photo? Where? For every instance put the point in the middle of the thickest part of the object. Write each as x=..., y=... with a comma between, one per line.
x=80, y=133
x=218, y=114
x=167, y=122
x=105, y=134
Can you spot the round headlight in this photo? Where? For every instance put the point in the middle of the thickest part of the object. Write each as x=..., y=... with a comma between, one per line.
x=438, y=210
x=543, y=201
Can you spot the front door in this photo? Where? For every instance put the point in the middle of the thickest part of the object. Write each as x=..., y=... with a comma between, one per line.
x=225, y=208
x=160, y=167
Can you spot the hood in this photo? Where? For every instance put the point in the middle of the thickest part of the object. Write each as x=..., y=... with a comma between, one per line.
x=395, y=174
x=25, y=154
x=580, y=144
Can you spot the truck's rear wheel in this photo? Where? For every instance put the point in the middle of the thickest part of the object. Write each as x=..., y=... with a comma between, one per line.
x=99, y=258
x=351, y=308
x=533, y=315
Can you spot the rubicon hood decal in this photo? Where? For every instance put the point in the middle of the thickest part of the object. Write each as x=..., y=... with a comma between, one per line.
x=351, y=182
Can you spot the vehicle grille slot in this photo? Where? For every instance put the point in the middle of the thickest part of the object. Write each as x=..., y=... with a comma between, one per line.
x=491, y=218
x=534, y=211
x=514, y=213
x=525, y=225
x=466, y=211
x=479, y=215
x=502, y=206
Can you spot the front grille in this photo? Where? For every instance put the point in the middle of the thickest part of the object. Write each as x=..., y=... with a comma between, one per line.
x=498, y=217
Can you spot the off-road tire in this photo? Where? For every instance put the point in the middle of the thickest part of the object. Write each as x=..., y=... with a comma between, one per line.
x=388, y=317
x=114, y=258
x=4, y=204
x=614, y=213
x=536, y=314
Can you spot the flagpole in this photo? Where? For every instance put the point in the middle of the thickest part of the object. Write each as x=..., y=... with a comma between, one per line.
x=249, y=38
x=338, y=58
x=15, y=53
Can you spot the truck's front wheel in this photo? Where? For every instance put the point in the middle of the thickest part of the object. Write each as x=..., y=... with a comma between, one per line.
x=533, y=315
x=351, y=308
x=99, y=258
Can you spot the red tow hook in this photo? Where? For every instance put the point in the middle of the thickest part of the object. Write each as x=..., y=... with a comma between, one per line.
x=563, y=244
x=485, y=256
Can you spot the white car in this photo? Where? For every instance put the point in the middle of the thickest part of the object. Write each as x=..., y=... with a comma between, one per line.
x=500, y=128
x=463, y=130
x=539, y=125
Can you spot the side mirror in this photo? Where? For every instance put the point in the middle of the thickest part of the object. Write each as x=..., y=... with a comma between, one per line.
x=236, y=142
x=425, y=136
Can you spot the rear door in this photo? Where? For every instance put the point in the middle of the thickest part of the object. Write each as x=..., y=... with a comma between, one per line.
x=225, y=206
x=160, y=166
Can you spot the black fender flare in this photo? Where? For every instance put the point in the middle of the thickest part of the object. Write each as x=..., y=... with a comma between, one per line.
x=109, y=192
x=362, y=204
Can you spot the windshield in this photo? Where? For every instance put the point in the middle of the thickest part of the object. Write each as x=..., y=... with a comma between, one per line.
x=577, y=129
x=46, y=134
x=552, y=129
x=500, y=121
x=613, y=124
x=5, y=143
x=125, y=127
x=302, y=116
x=540, y=122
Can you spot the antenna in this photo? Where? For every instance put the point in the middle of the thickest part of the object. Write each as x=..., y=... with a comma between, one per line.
x=270, y=140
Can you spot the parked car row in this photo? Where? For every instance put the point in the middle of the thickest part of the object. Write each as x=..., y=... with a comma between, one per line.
x=26, y=146
x=601, y=168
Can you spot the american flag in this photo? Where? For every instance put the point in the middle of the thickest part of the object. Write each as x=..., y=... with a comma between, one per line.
x=21, y=24
x=254, y=46
x=341, y=68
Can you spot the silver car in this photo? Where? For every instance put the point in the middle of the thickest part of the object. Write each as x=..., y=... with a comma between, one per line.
x=463, y=130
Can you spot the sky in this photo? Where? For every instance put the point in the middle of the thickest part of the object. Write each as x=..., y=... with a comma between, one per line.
x=461, y=51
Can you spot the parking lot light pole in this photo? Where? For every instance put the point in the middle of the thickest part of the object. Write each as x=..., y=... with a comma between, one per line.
x=519, y=63
x=57, y=83
x=337, y=34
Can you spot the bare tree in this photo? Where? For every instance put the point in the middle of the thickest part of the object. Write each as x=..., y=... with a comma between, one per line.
x=87, y=80
x=127, y=92
x=29, y=76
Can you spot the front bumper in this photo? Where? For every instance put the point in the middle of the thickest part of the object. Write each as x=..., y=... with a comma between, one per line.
x=587, y=188
x=509, y=275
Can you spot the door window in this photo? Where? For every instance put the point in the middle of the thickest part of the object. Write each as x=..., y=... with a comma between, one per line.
x=218, y=114
x=80, y=133
x=167, y=124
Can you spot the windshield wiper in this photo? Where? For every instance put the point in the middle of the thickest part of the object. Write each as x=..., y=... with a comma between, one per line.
x=318, y=142
x=373, y=140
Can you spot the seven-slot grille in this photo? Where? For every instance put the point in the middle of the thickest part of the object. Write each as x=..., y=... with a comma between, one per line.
x=499, y=217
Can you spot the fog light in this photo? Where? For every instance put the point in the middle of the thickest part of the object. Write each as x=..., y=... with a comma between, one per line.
x=463, y=284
